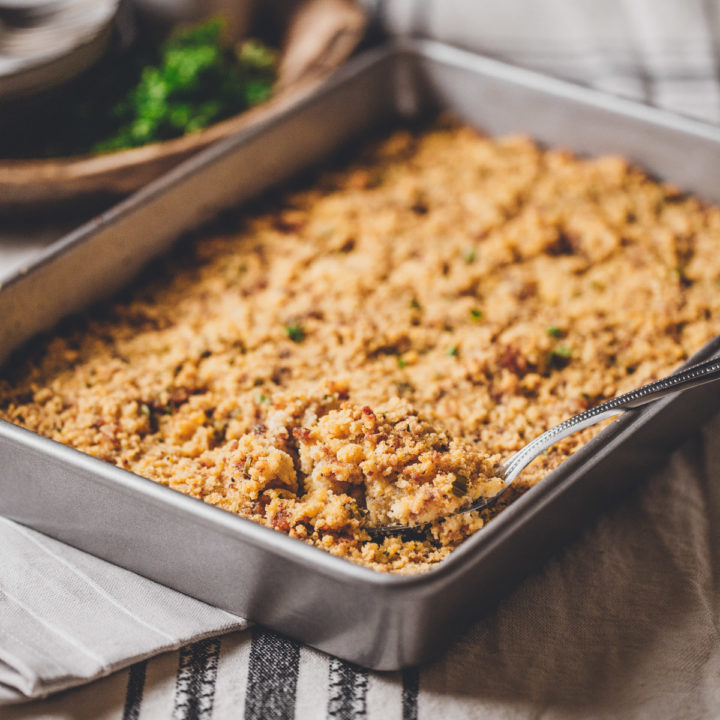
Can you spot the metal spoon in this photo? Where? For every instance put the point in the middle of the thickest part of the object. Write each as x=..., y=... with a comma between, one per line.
x=699, y=374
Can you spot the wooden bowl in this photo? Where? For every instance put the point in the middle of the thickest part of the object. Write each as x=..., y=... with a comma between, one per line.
x=320, y=35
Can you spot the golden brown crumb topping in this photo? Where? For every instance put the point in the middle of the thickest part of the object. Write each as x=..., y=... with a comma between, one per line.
x=369, y=349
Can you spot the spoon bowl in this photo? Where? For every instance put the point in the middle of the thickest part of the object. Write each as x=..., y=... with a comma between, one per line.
x=704, y=372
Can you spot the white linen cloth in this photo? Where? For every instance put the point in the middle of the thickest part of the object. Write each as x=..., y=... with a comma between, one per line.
x=67, y=617
x=624, y=623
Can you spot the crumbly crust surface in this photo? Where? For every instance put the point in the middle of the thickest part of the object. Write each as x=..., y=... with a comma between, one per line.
x=370, y=348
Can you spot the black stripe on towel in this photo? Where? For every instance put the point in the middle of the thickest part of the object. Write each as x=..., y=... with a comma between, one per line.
x=411, y=688
x=272, y=677
x=134, y=692
x=347, y=691
x=195, y=682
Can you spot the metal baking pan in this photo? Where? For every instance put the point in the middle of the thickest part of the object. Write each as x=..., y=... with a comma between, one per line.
x=378, y=620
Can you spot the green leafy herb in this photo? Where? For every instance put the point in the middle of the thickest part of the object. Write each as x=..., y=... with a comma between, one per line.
x=469, y=256
x=261, y=399
x=414, y=304
x=196, y=81
x=560, y=356
x=555, y=332
x=148, y=93
x=148, y=410
x=401, y=363
x=453, y=351
x=476, y=315
x=295, y=332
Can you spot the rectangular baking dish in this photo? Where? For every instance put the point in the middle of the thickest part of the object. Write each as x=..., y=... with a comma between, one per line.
x=377, y=620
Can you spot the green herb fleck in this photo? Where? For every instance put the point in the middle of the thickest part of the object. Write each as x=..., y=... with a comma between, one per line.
x=414, y=304
x=469, y=256
x=560, y=356
x=148, y=410
x=295, y=332
x=401, y=363
x=261, y=399
x=476, y=315
x=555, y=332
x=453, y=351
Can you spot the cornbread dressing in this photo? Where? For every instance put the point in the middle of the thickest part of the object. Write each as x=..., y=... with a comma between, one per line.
x=371, y=348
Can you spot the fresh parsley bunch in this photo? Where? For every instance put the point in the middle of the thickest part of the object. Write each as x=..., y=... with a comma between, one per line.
x=197, y=81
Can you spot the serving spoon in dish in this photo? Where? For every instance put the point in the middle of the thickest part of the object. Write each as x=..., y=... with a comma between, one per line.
x=704, y=372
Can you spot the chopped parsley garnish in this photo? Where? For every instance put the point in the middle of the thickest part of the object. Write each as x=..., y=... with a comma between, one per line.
x=469, y=256
x=555, y=332
x=295, y=332
x=196, y=81
x=401, y=363
x=453, y=351
x=261, y=399
x=150, y=93
x=560, y=356
x=148, y=410
x=476, y=314
x=414, y=304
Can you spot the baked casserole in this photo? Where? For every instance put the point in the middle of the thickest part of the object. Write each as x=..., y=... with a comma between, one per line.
x=368, y=348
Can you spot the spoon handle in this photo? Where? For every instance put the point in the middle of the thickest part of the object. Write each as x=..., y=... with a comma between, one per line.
x=704, y=372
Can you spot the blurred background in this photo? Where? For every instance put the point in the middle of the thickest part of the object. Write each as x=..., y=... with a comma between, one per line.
x=98, y=97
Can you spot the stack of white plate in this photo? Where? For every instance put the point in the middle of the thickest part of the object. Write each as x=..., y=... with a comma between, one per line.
x=43, y=43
